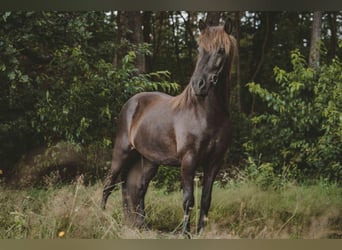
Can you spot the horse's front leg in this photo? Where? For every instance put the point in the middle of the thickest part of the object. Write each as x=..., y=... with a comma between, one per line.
x=188, y=168
x=210, y=173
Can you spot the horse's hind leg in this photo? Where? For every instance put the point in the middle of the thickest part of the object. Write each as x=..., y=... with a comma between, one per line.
x=134, y=190
x=122, y=158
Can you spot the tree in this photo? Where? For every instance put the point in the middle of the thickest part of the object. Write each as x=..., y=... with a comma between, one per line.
x=130, y=33
x=266, y=27
x=147, y=33
x=238, y=72
x=213, y=18
x=332, y=16
x=315, y=40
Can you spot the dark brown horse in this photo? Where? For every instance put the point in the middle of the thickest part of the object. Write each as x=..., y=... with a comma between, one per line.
x=189, y=130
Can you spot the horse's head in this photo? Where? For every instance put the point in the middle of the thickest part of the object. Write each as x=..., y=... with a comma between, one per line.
x=216, y=50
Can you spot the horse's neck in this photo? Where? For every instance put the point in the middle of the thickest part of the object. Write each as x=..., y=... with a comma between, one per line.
x=216, y=103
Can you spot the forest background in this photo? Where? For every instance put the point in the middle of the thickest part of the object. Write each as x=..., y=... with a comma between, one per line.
x=64, y=77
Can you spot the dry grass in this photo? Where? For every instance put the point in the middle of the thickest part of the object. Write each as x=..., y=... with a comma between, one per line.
x=239, y=211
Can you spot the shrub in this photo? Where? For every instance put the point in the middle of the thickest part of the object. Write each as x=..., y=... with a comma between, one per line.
x=301, y=131
x=168, y=177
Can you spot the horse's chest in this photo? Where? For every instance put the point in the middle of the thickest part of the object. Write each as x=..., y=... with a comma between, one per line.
x=206, y=142
x=213, y=142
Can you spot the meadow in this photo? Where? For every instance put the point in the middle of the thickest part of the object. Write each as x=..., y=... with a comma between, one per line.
x=239, y=210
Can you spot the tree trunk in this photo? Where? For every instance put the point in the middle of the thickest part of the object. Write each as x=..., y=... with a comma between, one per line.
x=189, y=35
x=175, y=26
x=213, y=18
x=130, y=28
x=118, y=51
x=261, y=59
x=147, y=31
x=315, y=40
x=333, y=38
x=157, y=31
x=238, y=74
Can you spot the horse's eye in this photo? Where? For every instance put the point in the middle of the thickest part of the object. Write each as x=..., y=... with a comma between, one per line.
x=221, y=51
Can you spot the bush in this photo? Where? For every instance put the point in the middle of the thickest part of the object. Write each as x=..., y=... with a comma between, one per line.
x=301, y=131
x=168, y=177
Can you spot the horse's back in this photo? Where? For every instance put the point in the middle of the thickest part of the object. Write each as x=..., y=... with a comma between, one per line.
x=139, y=103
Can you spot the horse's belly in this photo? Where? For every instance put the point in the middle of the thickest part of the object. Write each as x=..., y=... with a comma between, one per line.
x=158, y=155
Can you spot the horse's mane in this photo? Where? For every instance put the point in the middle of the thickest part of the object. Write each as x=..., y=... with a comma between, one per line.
x=184, y=99
x=213, y=38
x=210, y=39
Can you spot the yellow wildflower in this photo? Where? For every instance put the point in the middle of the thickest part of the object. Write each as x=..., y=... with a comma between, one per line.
x=1, y=172
x=61, y=234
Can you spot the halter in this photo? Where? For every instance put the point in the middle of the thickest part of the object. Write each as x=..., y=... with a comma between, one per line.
x=215, y=77
x=217, y=74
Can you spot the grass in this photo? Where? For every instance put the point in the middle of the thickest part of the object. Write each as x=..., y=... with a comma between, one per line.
x=240, y=210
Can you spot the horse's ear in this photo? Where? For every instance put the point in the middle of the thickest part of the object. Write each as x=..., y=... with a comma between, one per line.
x=228, y=26
x=202, y=25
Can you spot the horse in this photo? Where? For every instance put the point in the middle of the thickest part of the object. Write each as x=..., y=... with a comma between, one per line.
x=188, y=130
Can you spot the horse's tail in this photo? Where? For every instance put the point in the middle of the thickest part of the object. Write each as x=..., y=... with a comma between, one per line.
x=123, y=156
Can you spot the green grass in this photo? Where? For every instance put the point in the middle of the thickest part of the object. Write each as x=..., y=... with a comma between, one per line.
x=240, y=210
x=293, y=212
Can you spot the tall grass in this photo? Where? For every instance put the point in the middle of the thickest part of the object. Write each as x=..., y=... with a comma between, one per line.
x=240, y=210
x=294, y=212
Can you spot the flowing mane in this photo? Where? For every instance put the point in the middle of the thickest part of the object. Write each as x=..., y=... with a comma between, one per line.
x=182, y=100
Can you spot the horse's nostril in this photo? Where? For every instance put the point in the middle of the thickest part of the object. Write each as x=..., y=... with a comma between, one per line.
x=214, y=79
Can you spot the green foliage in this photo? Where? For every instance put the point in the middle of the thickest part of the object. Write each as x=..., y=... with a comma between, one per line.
x=302, y=128
x=168, y=177
x=58, y=82
x=241, y=133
